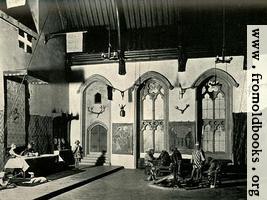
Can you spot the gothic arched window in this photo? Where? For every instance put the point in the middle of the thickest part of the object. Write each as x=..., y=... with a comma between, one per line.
x=213, y=117
x=152, y=100
x=214, y=95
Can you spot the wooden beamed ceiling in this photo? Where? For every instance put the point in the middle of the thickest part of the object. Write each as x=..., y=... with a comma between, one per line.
x=135, y=14
x=147, y=25
x=162, y=24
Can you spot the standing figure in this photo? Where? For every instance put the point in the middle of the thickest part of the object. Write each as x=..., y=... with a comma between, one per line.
x=176, y=159
x=198, y=159
x=78, y=153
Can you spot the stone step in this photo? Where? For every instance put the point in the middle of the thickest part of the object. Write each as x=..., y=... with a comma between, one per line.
x=93, y=155
x=93, y=163
x=91, y=158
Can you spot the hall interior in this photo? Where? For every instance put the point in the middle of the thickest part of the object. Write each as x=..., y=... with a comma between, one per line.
x=125, y=76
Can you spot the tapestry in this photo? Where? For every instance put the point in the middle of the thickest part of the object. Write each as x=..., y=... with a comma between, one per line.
x=15, y=105
x=181, y=135
x=41, y=133
x=122, y=138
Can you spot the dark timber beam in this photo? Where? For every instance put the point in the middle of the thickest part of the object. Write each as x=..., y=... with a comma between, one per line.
x=141, y=55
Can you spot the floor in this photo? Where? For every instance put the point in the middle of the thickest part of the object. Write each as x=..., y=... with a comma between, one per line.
x=130, y=185
x=58, y=183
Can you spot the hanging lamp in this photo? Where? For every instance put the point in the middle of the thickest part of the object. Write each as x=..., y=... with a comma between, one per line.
x=122, y=69
x=223, y=58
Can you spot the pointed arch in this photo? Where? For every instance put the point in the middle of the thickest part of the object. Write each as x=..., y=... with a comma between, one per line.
x=95, y=123
x=154, y=75
x=151, y=113
x=219, y=73
x=214, y=122
x=102, y=82
x=92, y=79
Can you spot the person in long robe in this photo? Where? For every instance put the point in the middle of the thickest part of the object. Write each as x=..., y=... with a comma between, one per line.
x=198, y=159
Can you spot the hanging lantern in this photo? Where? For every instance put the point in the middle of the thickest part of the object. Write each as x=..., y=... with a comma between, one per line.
x=223, y=58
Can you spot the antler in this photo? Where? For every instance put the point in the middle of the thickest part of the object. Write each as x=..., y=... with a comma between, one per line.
x=182, y=110
x=102, y=109
x=182, y=90
x=121, y=106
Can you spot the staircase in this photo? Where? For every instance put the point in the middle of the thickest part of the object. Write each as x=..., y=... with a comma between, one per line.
x=91, y=159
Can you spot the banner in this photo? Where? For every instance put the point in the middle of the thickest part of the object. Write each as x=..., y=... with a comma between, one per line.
x=74, y=42
x=15, y=3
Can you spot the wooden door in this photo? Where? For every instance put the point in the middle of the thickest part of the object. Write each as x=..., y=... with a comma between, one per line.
x=98, y=137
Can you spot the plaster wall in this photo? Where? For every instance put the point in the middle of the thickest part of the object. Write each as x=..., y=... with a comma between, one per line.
x=169, y=69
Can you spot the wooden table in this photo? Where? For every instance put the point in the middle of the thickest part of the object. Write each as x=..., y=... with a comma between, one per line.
x=66, y=155
x=17, y=163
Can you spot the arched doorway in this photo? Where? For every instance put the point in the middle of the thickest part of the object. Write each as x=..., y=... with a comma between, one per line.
x=93, y=97
x=98, y=138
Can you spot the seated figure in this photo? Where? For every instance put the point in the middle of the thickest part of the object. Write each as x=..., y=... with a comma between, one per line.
x=12, y=151
x=214, y=172
x=5, y=181
x=29, y=151
x=55, y=144
x=101, y=159
x=63, y=143
x=149, y=158
x=164, y=158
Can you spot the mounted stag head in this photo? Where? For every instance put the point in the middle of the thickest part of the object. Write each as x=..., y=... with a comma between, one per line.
x=122, y=112
x=102, y=109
